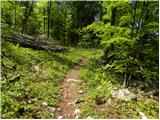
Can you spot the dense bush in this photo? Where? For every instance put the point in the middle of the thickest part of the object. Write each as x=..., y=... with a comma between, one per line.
x=129, y=36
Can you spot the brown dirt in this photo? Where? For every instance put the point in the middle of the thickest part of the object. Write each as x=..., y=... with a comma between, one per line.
x=70, y=92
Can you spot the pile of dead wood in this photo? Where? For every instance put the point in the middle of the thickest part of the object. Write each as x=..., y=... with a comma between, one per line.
x=33, y=42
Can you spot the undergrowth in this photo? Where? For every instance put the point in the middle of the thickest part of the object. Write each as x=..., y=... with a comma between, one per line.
x=40, y=75
x=99, y=104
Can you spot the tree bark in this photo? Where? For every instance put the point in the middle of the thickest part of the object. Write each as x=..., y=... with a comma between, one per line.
x=33, y=42
x=15, y=16
x=28, y=11
x=44, y=21
x=134, y=20
x=111, y=47
x=113, y=16
x=49, y=16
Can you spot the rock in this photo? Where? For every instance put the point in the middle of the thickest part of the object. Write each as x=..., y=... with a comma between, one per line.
x=142, y=115
x=152, y=94
x=58, y=109
x=89, y=117
x=60, y=117
x=109, y=101
x=77, y=111
x=45, y=104
x=81, y=91
x=77, y=101
x=123, y=94
x=71, y=103
x=73, y=80
x=29, y=101
x=62, y=90
x=77, y=116
x=52, y=109
x=36, y=68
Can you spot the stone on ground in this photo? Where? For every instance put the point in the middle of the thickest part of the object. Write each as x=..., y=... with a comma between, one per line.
x=142, y=115
x=89, y=117
x=45, y=104
x=109, y=101
x=36, y=68
x=52, y=109
x=77, y=116
x=77, y=101
x=73, y=80
x=77, y=111
x=81, y=91
x=58, y=109
x=123, y=94
x=60, y=117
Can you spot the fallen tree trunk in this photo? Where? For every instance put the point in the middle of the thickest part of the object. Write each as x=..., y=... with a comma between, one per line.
x=33, y=42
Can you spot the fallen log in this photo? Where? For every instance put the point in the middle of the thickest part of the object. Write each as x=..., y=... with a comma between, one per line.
x=33, y=42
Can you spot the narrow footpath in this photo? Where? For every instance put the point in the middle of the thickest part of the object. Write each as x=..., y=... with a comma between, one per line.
x=70, y=92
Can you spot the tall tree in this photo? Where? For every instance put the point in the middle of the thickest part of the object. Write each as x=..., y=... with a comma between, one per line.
x=49, y=16
x=28, y=10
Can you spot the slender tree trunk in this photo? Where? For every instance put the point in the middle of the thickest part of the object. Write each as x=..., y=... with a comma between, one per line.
x=65, y=26
x=141, y=17
x=44, y=21
x=113, y=21
x=49, y=16
x=28, y=11
x=134, y=20
x=15, y=17
x=113, y=16
x=127, y=78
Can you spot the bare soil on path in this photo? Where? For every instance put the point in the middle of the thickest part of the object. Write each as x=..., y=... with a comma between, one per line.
x=70, y=92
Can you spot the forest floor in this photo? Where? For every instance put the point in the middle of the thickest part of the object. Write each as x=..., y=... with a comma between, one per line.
x=38, y=84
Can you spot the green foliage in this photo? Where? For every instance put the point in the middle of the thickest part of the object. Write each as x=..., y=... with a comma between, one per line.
x=41, y=74
x=62, y=20
x=133, y=37
x=98, y=86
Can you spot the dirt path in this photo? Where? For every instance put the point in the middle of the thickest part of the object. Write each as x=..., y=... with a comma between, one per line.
x=70, y=92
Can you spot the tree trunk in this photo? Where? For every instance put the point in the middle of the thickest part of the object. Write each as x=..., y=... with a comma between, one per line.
x=113, y=16
x=28, y=11
x=134, y=20
x=49, y=16
x=44, y=21
x=33, y=42
x=111, y=47
x=15, y=17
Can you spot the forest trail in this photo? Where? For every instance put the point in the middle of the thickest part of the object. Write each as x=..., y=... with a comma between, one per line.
x=70, y=92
